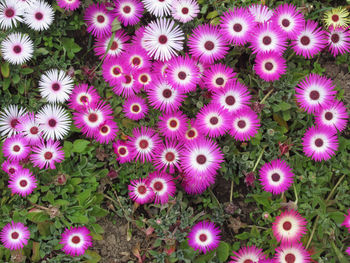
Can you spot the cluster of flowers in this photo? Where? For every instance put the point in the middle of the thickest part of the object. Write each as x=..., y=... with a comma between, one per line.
x=75, y=240
x=18, y=48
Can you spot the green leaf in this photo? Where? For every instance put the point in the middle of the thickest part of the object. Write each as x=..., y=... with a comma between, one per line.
x=78, y=219
x=36, y=252
x=82, y=197
x=285, y=106
x=67, y=148
x=243, y=236
x=5, y=69
x=70, y=45
x=79, y=145
x=337, y=216
x=38, y=217
x=212, y=14
x=26, y=71
x=92, y=256
x=223, y=251
x=98, y=229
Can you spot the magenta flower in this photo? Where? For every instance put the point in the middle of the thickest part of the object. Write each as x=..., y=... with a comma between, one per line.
x=172, y=125
x=11, y=167
x=29, y=128
x=128, y=12
x=126, y=85
x=338, y=41
x=123, y=151
x=98, y=20
x=107, y=131
x=46, y=154
x=135, y=108
x=247, y=254
x=294, y=252
x=204, y=236
x=163, y=186
x=244, y=124
x=83, y=96
x=117, y=48
x=140, y=192
x=184, y=10
x=192, y=133
x=346, y=222
x=76, y=240
x=113, y=70
x=261, y=13
x=68, y=4
x=136, y=57
x=14, y=236
x=16, y=148
x=144, y=77
x=270, y=66
x=22, y=183
x=218, y=76
x=168, y=156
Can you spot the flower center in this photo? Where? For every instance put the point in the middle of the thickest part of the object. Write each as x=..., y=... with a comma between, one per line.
x=267, y=40
x=104, y=129
x=126, y=9
x=163, y=39
x=275, y=177
x=17, y=49
x=203, y=237
x=173, y=123
x=23, y=183
x=84, y=99
x=128, y=79
x=12, y=170
x=55, y=86
x=285, y=22
x=14, y=235
x=191, y=133
x=122, y=151
x=142, y=189
x=319, y=142
x=201, y=159
x=209, y=45
x=116, y=71
x=158, y=186
x=182, y=75
x=230, y=100
x=219, y=81
x=335, y=18
x=185, y=10
x=93, y=117
x=114, y=45
x=143, y=144
x=170, y=156
x=214, y=120
x=100, y=18
x=335, y=38
x=237, y=28
x=144, y=78
x=305, y=40
x=241, y=124
x=9, y=12
x=39, y=16
x=248, y=261
x=314, y=95
x=328, y=116
x=14, y=123
x=268, y=66
x=48, y=155
x=136, y=61
x=287, y=225
x=16, y=148
x=290, y=258
x=76, y=240
x=136, y=108
x=52, y=123
x=167, y=93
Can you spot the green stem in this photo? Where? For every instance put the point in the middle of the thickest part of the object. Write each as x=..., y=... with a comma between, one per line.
x=231, y=193
x=290, y=56
x=296, y=195
x=259, y=158
x=213, y=196
x=266, y=96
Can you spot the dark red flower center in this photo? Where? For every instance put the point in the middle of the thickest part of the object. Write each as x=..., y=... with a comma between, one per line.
x=76, y=240
x=143, y=144
x=23, y=183
x=100, y=18
x=128, y=79
x=219, y=81
x=14, y=235
x=163, y=39
x=203, y=237
x=136, y=61
x=185, y=10
x=9, y=12
x=104, y=129
x=56, y=86
x=305, y=40
x=16, y=148
x=248, y=261
x=14, y=123
x=287, y=225
x=319, y=142
x=167, y=93
x=173, y=123
x=93, y=117
x=209, y=45
x=237, y=27
x=335, y=38
x=158, y=186
x=144, y=78
x=267, y=40
x=191, y=133
x=84, y=99
x=214, y=120
x=114, y=45
x=52, y=123
x=275, y=177
x=142, y=189
x=314, y=95
x=182, y=75
x=122, y=150
x=285, y=22
x=116, y=71
x=48, y=155
x=12, y=170
x=161, y=1
x=241, y=124
x=268, y=66
x=17, y=49
x=126, y=9
x=230, y=100
x=170, y=156
x=328, y=116
x=290, y=258
x=335, y=18
x=39, y=15
x=136, y=108
x=201, y=159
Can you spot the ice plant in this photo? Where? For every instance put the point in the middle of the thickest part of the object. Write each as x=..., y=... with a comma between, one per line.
x=204, y=236
x=140, y=192
x=29, y=128
x=107, y=131
x=261, y=13
x=168, y=156
x=184, y=10
x=346, y=221
x=99, y=20
x=11, y=13
x=294, y=252
x=338, y=41
x=128, y=12
x=192, y=133
x=76, y=240
x=276, y=177
x=135, y=108
x=158, y=8
x=337, y=17
x=172, y=125
x=218, y=76
x=319, y=143
x=11, y=167
x=9, y=119
x=16, y=148
x=39, y=15
x=244, y=124
x=22, y=182
x=248, y=254
x=17, y=48
x=14, y=236
x=123, y=151
x=163, y=186
x=68, y=4
x=46, y=154
x=82, y=96
x=118, y=46
x=270, y=66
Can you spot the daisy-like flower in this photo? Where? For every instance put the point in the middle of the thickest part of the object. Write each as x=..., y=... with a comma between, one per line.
x=118, y=46
x=244, y=124
x=22, y=183
x=184, y=10
x=138, y=37
x=144, y=78
x=289, y=227
x=233, y=97
x=55, y=86
x=9, y=119
x=29, y=128
x=159, y=8
x=39, y=15
x=54, y=122
x=160, y=68
x=11, y=167
x=90, y=119
x=204, y=236
x=137, y=58
x=83, y=96
x=289, y=19
x=207, y=43
x=163, y=39
x=16, y=148
x=261, y=13
x=144, y=143
x=135, y=108
x=140, y=192
x=337, y=17
x=310, y=40
x=319, y=143
x=213, y=121
x=68, y=4
x=348, y=251
x=76, y=240
x=346, y=222
x=193, y=132
x=163, y=186
x=172, y=125
x=333, y=117
x=164, y=97
x=123, y=151
x=107, y=131
x=270, y=66
x=237, y=25
x=247, y=254
x=294, y=252
x=99, y=20
x=11, y=13
x=168, y=156
x=315, y=92
x=46, y=154
x=183, y=73
x=126, y=85
x=128, y=12
x=276, y=177
x=113, y=70
x=268, y=37
x=192, y=188
x=338, y=41
x=217, y=76
x=14, y=236
x=17, y=48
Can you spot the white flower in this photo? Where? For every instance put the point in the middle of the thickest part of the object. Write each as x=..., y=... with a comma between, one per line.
x=10, y=13
x=38, y=15
x=17, y=48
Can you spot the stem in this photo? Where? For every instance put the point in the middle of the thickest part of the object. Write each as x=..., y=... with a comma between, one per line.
x=335, y=187
x=213, y=196
x=266, y=96
x=231, y=193
x=259, y=158
x=258, y=227
x=290, y=56
x=296, y=194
